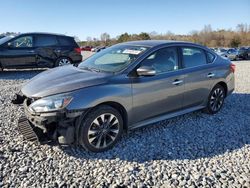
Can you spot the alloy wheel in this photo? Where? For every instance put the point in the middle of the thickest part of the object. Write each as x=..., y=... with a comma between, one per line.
x=103, y=131
x=217, y=99
x=64, y=61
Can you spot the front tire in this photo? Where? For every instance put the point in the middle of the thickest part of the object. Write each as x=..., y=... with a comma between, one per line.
x=100, y=129
x=215, y=100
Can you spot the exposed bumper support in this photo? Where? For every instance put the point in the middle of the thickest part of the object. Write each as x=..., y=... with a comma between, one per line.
x=61, y=132
x=46, y=127
x=25, y=128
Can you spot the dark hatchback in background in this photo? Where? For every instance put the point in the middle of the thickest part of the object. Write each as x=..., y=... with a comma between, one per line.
x=38, y=50
x=244, y=53
x=123, y=87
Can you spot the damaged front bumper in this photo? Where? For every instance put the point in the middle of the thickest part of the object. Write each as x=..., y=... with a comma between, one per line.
x=58, y=126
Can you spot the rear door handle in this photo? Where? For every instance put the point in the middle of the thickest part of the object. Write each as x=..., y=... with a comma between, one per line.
x=177, y=82
x=210, y=75
x=31, y=51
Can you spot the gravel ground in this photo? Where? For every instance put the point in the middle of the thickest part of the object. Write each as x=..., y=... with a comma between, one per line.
x=194, y=150
x=86, y=54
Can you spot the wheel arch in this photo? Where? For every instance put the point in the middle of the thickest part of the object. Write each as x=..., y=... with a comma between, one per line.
x=120, y=108
x=224, y=85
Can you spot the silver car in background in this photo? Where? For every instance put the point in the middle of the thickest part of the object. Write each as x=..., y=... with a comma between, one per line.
x=232, y=54
x=123, y=87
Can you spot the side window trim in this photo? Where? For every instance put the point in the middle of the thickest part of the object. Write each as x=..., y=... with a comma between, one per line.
x=207, y=52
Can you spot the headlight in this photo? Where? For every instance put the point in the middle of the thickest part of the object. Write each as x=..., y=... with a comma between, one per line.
x=52, y=103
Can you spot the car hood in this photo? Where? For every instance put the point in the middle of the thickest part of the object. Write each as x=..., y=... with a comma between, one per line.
x=61, y=80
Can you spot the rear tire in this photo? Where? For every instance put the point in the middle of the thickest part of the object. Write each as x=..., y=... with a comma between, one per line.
x=100, y=129
x=61, y=61
x=215, y=100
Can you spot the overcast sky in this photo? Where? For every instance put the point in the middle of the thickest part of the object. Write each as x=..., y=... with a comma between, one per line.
x=93, y=17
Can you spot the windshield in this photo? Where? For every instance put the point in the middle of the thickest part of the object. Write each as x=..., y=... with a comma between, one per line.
x=113, y=59
x=5, y=39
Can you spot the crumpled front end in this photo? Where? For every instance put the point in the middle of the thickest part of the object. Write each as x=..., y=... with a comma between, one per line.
x=57, y=126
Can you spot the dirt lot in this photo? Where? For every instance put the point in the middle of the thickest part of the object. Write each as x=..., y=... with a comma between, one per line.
x=192, y=150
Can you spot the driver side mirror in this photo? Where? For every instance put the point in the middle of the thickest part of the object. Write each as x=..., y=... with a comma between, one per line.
x=10, y=45
x=146, y=71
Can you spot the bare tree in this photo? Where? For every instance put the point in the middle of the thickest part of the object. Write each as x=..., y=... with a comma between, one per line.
x=89, y=40
x=77, y=39
x=105, y=37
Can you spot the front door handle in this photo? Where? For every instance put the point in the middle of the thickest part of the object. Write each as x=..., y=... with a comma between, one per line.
x=177, y=82
x=210, y=75
x=31, y=51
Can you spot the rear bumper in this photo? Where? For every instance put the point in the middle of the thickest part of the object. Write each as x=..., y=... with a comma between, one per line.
x=230, y=84
x=76, y=59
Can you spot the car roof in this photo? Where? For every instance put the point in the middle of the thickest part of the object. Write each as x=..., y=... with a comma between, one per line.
x=153, y=43
x=43, y=33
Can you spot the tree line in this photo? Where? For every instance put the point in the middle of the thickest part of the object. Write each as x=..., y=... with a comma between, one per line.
x=240, y=36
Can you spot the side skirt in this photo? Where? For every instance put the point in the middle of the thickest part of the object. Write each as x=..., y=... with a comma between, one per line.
x=164, y=117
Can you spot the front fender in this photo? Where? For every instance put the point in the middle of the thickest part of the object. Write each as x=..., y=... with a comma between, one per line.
x=92, y=96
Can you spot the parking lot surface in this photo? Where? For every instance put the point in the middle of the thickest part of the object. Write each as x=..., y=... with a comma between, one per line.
x=192, y=150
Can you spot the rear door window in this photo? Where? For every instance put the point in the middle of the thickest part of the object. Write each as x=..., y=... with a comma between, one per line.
x=45, y=40
x=192, y=57
x=66, y=41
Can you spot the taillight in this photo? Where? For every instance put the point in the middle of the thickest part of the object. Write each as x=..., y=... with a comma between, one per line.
x=78, y=50
x=232, y=67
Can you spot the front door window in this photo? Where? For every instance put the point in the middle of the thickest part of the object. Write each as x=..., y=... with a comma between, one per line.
x=22, y=42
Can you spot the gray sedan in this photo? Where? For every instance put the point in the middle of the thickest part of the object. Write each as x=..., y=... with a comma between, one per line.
x=123, y=87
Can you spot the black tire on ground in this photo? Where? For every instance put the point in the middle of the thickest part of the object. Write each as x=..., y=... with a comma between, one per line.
x=215, y=100
x=100, y=129
x=61, y=61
